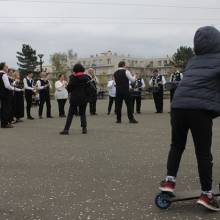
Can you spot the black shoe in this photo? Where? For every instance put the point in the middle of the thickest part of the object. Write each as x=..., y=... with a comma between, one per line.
x=30, y=118
x=133, y=121
x=19, y=120
x=49, y=116
x=8, y=126
x=138, y=112
x=108, y=113
x=84, y=130
x=40, y=117
x=64, y=132
x=118, y=122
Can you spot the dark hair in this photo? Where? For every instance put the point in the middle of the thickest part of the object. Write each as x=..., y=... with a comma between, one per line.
x=155, y=71
x=29, y=72
x=2, y=65
x=78, y=68
x=60, y=75
x=121, y=64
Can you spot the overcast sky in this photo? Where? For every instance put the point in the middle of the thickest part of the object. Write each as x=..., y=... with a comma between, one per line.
x=90, y=36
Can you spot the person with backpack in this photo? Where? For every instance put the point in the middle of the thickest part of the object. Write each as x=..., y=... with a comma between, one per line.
x=195, y=104
x=79, y=87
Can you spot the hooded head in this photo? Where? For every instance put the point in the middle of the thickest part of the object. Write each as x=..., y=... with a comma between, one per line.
x=207, y=40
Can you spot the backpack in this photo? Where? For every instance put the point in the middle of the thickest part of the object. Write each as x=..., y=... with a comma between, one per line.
x=90, y=89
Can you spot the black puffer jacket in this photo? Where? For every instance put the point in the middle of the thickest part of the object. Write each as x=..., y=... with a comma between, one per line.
x=200, y=87
x=77, y=88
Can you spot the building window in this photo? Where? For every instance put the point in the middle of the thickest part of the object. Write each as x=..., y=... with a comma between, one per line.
x=109, y=61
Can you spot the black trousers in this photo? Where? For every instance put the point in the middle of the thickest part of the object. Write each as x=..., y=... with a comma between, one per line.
x=111, y=101
x=61, y=106
x=82, y=113
x=92, y=106
x=6, y=109
x=43, y=100
x=28, y=98
x=158, y=100
x=200, y=125
x=119, y=103
x=136, y=99
x=172, y=92
x=11, y=107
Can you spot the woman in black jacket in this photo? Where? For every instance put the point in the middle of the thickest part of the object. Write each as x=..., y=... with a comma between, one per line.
x=77, y=88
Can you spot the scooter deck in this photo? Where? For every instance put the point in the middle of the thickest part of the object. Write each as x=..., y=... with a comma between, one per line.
x=185, y=196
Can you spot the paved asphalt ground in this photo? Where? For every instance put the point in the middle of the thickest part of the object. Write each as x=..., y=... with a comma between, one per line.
x=113, y=172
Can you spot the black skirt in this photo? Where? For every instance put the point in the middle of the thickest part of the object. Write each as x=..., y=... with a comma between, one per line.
x=18, y=104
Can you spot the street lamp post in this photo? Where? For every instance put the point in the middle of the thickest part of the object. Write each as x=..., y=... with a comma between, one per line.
x=41, y=62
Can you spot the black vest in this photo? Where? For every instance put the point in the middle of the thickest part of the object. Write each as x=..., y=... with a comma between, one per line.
x=122, y=82
x=30, y=84
x=176, y=77
x=4, y=93
x=45, y=91
x=156, y=79
x=136, y=86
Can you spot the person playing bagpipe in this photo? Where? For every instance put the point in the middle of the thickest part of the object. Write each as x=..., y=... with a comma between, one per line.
x=43, y=86
x=175, y=79
x=157, y=82
x=136, y=90
x=29, y=91
x=93, y=98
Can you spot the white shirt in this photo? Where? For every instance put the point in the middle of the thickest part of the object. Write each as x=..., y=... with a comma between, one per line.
x=7, y=83
x=26, y=84
x=128, y=74
x=111, y=88
x=61, y=91
x=39, y=87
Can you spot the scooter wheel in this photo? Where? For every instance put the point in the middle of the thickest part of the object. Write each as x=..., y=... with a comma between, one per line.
x=162, y=201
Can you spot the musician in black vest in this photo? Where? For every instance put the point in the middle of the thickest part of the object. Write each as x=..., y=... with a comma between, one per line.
x=93, y=98
x=136, y=89
x=122, y=77
x=29, y=91
x=43, y=86
x=5, y=95
x=175, y=78
x=156, y=82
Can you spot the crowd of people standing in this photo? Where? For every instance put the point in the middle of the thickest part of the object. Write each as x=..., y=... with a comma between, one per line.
x=124, y=86
x=194, y=106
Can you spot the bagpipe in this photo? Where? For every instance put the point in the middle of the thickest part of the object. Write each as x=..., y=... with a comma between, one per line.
x=171, y=85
